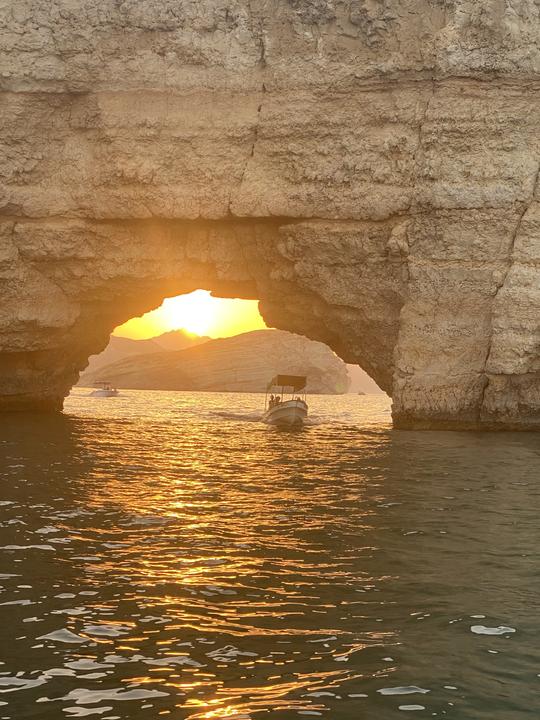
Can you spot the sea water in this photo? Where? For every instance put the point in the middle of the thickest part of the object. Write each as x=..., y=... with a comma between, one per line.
x=166, y=554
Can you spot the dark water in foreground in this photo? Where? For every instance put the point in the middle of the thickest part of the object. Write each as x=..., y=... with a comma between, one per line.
x=162, y=555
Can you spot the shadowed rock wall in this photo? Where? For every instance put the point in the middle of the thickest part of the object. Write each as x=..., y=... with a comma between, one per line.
x=368, y=170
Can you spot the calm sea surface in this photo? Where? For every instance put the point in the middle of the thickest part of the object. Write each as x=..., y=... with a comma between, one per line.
x=167, y=554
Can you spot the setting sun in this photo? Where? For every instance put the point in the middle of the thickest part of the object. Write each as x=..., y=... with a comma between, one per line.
x=199, y=313
x=195, y=312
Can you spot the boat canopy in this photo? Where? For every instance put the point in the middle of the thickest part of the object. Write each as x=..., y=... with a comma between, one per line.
x=297, y=382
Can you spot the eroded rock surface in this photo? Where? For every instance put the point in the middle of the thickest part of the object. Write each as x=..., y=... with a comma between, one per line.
x=368, y=170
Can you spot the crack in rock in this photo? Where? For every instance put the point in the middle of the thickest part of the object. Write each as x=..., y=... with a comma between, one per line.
x=526, y=207
x=250, y=154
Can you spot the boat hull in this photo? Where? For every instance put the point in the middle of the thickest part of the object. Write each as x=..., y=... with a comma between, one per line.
x=292, y=413
x=104, y=393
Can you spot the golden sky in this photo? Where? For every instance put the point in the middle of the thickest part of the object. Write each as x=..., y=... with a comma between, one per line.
x=198, y=313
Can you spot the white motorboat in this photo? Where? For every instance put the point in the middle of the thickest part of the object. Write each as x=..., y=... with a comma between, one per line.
x=104, y=389
x=284, y=411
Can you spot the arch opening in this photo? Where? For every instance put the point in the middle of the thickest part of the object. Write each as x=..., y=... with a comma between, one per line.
x=356, y=286
x=326, y=281
x=161, y=350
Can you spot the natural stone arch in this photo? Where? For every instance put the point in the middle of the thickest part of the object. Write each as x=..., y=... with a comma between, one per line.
x=372, y=168
x=84, y=278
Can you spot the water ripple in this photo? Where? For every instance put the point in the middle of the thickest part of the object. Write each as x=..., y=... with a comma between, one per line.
x=198, y=565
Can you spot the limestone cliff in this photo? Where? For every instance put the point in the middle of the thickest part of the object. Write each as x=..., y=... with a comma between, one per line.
x=243, y=363
x=367, y=170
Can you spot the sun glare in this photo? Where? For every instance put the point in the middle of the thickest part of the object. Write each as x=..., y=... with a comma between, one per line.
x=194, y=312
x=198, y=313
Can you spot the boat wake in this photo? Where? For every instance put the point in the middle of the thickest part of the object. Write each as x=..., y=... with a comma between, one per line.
x=241, y=417
x=311, y=421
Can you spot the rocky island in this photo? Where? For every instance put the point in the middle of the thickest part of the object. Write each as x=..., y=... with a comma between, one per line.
x=120, y=348
x=243, y=363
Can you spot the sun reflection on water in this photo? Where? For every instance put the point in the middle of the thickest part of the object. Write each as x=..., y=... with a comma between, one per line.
x=162, y=563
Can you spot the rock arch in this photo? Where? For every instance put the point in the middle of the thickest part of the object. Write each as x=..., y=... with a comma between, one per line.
x=82, y=279
x=369, y=173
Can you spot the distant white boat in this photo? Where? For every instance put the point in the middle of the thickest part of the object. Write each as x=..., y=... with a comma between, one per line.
x=104, y=389
x=280, y=410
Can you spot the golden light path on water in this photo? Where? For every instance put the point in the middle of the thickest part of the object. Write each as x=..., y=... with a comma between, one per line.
x=167, y=554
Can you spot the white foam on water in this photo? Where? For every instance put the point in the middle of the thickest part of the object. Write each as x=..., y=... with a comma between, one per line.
x=220, y=590
x=403, y=690
x=174, y=660
x=64, y=636
x=86, y=558
x=107, y=630
x=12, y=683
x=140, y=520
x=118, y=659
x=84, y=712
x=58, y=672
x=28, y=547
x=89, y=697
x=242, y=417
x=84, y=664
x=228, y=653
x=499, y=630
x=411, y=707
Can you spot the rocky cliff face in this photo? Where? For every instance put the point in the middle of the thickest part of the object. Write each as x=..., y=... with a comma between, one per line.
x=368, y=170
x=243, y=363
